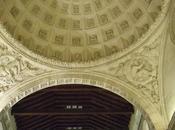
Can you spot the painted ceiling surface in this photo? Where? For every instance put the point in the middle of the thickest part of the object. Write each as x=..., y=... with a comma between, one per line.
x=78, y=31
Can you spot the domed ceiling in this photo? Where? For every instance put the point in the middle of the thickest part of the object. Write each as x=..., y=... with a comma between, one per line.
x=78, y=31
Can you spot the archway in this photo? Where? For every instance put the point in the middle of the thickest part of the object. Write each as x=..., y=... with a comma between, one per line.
x=95, y=79
x=73, y=107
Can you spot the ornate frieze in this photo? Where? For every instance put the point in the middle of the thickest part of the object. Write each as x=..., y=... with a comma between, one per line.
x=140, y=69
x=14, y=68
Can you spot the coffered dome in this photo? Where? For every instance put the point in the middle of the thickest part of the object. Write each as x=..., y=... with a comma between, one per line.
x=78, y=31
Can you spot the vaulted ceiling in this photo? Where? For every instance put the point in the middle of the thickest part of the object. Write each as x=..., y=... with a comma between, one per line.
x=78, y=30
x=78, y=33
x=73, y=107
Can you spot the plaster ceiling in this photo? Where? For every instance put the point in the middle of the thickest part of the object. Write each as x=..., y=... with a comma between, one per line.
x=78, y=31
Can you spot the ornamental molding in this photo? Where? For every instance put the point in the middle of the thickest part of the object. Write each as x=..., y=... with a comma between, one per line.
x=127, y=71
x=14, y=68
x=90, y=78
x=136, y=68
x=56, y=64
x=141, y=70
x=172, y=21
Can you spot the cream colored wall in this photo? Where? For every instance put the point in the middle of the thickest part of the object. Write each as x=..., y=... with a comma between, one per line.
x=135, y=120
x=138, y=121
x=134, y=74
x=169, y=78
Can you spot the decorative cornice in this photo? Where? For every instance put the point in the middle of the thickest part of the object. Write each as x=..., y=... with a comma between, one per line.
x=56, y=64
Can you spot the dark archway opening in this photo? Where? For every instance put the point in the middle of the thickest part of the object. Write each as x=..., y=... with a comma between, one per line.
x=73, y=107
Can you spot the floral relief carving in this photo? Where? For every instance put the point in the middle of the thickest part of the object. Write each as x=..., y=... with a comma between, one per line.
x=14, y=69
x=140, y=69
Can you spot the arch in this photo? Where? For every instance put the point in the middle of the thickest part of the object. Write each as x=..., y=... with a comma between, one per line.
x=104, y=81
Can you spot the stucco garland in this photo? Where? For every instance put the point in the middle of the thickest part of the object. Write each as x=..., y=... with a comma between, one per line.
x=96, y=79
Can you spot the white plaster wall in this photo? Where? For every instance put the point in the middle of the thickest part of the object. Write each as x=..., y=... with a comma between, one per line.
x=169, y=78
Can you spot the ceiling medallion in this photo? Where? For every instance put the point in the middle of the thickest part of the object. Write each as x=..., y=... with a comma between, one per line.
x=76, y=33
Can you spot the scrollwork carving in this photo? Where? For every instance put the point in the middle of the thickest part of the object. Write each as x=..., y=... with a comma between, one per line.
x=140, y=69
x=14, y=69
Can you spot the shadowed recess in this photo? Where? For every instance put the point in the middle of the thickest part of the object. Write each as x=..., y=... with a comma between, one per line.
x=73, y=107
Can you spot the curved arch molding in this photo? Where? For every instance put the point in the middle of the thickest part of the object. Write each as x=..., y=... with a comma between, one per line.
x=134, y=77
x=103, y=81
x=172, y=22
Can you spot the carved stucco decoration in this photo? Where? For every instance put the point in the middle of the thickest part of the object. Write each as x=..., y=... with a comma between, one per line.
x=97, y=79
x=110, y=30
x=14, y=69
x=140, y=69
